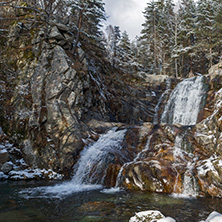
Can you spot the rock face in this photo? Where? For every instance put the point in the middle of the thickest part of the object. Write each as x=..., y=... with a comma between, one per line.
x=180, y=159
x=56, y=103
x=56, y=98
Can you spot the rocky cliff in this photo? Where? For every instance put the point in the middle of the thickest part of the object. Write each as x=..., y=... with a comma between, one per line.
x=181, y=159
x=54, y=103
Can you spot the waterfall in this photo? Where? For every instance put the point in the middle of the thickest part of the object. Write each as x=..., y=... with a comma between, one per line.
x=161, y=99
x=90, y=169
x=189, y=183
x=184, y=103
x=180, y=153
x=182, y=108
x=95, y=158
x=138, y=158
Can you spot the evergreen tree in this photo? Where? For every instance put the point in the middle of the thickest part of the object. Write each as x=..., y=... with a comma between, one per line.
x=112, y=39
x=87, y=16
x=205, y=31
x=218, y=29
x=157, y=35
x=183, y=50
x=150, y=38
x=125, y=55
x=166, y=34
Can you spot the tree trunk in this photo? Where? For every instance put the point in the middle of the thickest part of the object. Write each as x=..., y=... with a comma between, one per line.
x=78, y=31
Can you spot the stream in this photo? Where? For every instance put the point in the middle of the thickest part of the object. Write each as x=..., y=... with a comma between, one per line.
x=96, y=205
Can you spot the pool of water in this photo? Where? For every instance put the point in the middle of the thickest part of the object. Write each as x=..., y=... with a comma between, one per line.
x=18, y=205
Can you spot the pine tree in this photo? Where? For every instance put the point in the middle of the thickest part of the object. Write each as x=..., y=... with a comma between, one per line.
x=150, y=38
x=125, y=55
x=205, y=31
x=183, y=50
x=157, y=35
x=112, y=39
x=87, y=16
x=166, y=34
x=218, y=29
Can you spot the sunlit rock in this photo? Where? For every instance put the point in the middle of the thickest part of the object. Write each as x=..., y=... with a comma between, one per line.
x=214, y=217
x=150, y=216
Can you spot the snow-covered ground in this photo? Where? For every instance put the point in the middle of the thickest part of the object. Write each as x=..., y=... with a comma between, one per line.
x=157, y=216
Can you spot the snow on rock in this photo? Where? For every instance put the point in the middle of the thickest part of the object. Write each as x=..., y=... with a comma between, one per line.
x=151, y=216
x=34, y=174
x=214, y=217
x=7, y=167
x=207, y=165
x=3, y=176
x=167, y=219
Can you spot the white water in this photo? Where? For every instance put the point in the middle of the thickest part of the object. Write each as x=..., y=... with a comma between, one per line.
x=182, y=108
x=189, y=182
x=162, y=97
x=136, y=159
x=93, y=161
x=184, y=103
x=89, y=170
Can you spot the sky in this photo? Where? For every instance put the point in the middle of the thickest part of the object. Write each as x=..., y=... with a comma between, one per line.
x=127, y=14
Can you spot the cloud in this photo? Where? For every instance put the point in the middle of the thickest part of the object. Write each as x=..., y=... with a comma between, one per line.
x=127, y=14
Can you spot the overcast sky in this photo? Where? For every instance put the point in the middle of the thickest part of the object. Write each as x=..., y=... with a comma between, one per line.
x=127, y=14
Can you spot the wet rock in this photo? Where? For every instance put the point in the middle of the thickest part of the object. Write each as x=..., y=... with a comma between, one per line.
x=101, y=126
x=4, y=157
x=154, y=80
x=7, y=167
x=29, y=156
x=215, y=71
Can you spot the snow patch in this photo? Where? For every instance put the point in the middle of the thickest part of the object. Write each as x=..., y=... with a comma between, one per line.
x=33, y=174
x=152, y=216
x=214, y=217
x=207, y=165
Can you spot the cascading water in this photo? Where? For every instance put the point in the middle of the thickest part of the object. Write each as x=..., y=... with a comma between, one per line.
x=90, y=169
x=161, y=99
x=138, y=158
x=182, y=108
x=181, y=153
x=184, y=103
x=94, y=159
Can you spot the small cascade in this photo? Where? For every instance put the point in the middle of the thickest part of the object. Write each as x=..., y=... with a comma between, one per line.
x=138, y=157
x=90, y=169
x=184, y=103
x=189, y=183
x=181, y=154
x=95, y=158
x=161, y=99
